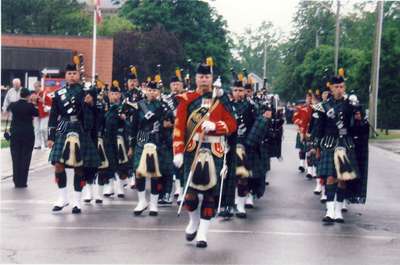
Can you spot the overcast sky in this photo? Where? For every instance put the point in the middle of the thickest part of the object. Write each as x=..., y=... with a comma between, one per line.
x=241, y=14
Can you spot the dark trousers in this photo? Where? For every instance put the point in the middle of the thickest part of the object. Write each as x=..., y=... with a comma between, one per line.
x=21, y=154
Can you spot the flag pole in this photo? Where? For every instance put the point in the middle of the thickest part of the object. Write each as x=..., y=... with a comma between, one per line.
x=94, y=44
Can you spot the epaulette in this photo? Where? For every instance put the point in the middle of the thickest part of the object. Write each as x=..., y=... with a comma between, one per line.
x=187, y=96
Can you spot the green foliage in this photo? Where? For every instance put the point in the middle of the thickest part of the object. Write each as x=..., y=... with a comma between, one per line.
x=114, y=24
x=52, y=17
x=200, y=30
x=298, y=65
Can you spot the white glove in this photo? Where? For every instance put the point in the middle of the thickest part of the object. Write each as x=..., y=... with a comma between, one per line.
x=178, y=160
x=208, y=126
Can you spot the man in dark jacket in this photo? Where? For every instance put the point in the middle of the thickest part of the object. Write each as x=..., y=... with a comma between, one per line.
x=22, y=137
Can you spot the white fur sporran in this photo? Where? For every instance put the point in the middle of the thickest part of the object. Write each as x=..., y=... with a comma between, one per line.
x=344, y=169
x=71, y=152
x=149, y=153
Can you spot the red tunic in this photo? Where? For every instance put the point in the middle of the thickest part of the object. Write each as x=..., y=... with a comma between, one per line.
x=224, y=120
x=44, y=103
x=302, y=118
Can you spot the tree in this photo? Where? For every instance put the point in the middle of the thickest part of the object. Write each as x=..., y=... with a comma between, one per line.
x=114, y=24
x=52, y=17
x=146, y=50
x=249, y=48
x=200, y=30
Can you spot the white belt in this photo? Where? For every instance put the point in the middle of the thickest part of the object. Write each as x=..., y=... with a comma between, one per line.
x=209, y=138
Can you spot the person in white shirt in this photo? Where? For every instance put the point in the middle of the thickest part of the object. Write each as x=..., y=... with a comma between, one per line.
x=13, y=95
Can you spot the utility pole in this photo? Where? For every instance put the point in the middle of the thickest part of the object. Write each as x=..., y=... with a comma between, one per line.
x=373, y=96
x=337, y=36
x=317, y=30
x=265, y=65
x=265, y=61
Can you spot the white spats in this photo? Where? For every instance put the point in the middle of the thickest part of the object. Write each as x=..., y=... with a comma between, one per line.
x=318, y=186
x=99, y=194
x=240, y=207
x=330, y=212
x=153, y=204
x=338, y=212
x=88, y=193
x=142, y=204
x=120, y=188
x=77, y=199
x=249, y=203
x=62, y=200
x=194, y=221
x=203, y=230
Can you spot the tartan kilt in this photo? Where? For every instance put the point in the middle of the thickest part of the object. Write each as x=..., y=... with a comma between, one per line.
x=255, y=162
x=89, y=152
x=326, y=164
x=187, y=164
x=136, y=156
x=166, y=160
x=111, y=150
x=300, y=144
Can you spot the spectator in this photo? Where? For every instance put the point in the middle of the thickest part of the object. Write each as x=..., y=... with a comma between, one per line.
x=22, y=136
x=12, y=95
x=43, y=102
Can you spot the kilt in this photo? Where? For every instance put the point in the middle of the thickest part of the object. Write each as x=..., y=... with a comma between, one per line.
x=111, y=150
x=136, y=156
x=166, y=160
x=187, y=164
x=300, y=144
x=326, y=164
x=88, y=149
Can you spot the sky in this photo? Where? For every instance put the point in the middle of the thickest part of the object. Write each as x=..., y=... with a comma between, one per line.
x=240, y=14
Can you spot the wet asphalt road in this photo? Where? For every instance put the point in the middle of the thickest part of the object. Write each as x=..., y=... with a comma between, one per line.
x=284, y=228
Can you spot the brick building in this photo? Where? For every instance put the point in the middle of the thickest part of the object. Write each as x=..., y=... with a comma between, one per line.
x=25, y=56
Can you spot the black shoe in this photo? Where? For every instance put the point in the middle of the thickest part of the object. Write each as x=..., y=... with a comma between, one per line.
x=121, y=195
x=76, y=210
x=309, y=176
x=37, y=148
x=328, y=220
x=266, y=183
x=21, y=186
x=137, y=213
x=152, y=213
x=241, y=215
x=339, y=220
x=190, y=237
x=323, y=201
x=317, y=192
x=301, y=169
x=248, y=206
x=98, y=201
x=201, y=244
x=59, y=208
x=87, y=201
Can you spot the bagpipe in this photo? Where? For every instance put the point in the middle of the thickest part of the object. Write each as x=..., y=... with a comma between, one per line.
x=273, y=133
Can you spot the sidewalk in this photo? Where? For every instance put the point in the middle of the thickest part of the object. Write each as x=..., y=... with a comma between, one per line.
x=39, y=160
x=390, y=145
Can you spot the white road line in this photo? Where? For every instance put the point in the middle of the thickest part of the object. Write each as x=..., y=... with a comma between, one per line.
x=217, y=231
